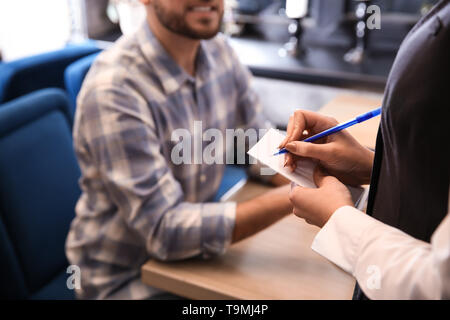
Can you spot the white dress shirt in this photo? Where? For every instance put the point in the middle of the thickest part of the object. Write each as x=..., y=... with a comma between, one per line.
x=386, y=262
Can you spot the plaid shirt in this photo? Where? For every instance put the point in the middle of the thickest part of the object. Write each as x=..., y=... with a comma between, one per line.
x=135, y=203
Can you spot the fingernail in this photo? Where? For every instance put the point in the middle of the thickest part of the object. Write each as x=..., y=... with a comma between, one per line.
x=290, y=146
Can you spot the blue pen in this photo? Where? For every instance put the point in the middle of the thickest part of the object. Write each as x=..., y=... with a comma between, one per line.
x=339, y=127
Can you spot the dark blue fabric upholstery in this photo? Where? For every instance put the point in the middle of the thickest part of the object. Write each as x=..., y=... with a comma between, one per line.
x=38, y=192
x=46, y=70
x=11, y=274
x=55, y=289
x=74, y=76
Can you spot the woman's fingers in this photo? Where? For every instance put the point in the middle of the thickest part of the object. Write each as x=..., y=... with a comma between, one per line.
x=295, y=129
x=321, y=177
x=303, y=120
x=310, y=150
x=299, y=125
x=290, y=159
x=296, y=194
x=290, y=127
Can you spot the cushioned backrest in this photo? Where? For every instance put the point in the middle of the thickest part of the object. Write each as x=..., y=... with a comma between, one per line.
x=45, y=70
x=38, y=182
x=74, y=76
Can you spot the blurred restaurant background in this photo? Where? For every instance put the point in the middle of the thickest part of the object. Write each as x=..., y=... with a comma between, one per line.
x=302, y=52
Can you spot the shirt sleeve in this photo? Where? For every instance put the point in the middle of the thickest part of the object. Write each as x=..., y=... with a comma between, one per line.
x=386, y=262
x=119, y=142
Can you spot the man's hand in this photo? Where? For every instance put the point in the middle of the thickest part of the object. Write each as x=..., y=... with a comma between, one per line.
x=340, y=154
x=317, y=205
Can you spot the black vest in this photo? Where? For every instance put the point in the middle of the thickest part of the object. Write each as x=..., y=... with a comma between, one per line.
x=410, y=178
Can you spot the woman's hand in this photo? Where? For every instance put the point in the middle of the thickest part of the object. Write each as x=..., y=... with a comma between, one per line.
x=340, y=154
x=317, y=205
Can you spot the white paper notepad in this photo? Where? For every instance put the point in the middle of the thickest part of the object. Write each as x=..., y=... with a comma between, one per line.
x=303, y=174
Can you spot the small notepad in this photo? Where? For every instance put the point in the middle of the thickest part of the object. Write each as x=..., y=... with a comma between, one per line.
x=303, y=174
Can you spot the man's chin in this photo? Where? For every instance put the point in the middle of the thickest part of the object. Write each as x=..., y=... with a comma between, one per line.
x=206, y=35
x=203, y=34
x=203, y=29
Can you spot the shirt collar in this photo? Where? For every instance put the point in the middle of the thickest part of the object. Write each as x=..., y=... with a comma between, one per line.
x=205, y=62
x=169, y=73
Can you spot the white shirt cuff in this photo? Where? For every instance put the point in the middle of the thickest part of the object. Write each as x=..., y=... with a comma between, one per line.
x=338, y=240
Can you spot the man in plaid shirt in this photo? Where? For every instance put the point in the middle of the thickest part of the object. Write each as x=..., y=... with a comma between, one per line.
x=136, y=203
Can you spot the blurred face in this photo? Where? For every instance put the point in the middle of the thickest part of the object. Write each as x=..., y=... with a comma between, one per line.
x=196, y=19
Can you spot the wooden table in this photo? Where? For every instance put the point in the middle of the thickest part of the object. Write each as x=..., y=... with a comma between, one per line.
x=276, y=263
x=345, y=107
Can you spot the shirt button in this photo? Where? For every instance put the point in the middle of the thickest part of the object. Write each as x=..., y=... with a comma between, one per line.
x=202, y=178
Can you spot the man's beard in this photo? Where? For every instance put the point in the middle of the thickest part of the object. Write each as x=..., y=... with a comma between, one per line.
x=177, y=24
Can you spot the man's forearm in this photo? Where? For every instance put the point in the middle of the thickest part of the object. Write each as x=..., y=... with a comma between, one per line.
x=257, y=214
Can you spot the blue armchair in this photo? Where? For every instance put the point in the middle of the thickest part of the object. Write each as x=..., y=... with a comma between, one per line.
x=46, y=70
x=74, y=76
x=38, y=192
